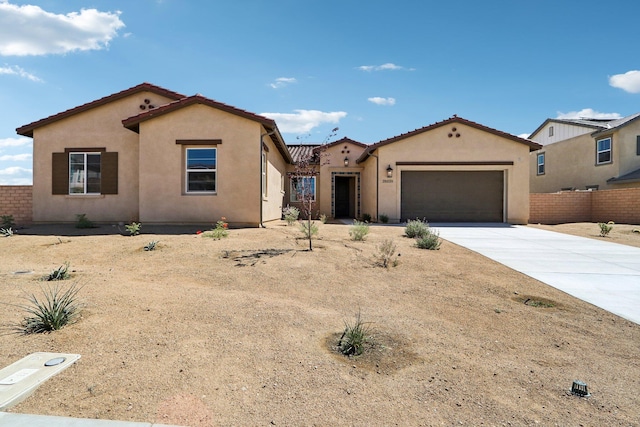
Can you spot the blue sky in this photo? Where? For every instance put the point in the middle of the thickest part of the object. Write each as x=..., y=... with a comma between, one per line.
x=374, y=69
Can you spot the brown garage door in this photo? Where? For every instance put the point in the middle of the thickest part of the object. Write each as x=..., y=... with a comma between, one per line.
x=461, y=196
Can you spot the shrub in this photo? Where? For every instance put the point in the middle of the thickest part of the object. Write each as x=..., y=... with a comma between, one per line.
x=386, y=255
x=354, y=337
x=151, y=246
x=323, y=218
x=6, y=232
x=416, y=228
x=366, y=217
x=384, y=218
x=133, y=228
x=358, y=230
x=605, y=228
x=290, y=214
x=83, y=222
x=431, y=241
x=7, y=221
x=309, y=229
x=60, y=273
x=220, y=231
x=56, y=309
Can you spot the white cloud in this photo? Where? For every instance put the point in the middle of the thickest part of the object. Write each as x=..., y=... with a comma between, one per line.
x=282, y=82
x=17, y=71
x=302, y=121
x=15, y=142
x=524, y=135
x=383, y=67
x=629, y=81
x=14, y=170
x=30, y=30
x=16, y=157
x=587, y=113
x=382, y=101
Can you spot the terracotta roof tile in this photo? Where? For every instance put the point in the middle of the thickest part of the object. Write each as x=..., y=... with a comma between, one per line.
x=455, y=119
x=27, y=130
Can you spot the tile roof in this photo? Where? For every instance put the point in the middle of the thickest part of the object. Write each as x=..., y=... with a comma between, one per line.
x=633, y=176
x=455, y=119
x=617, y=124
x=133, y=123
x=301, y=151
x=27, y=130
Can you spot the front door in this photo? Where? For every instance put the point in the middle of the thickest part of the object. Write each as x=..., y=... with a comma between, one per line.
x=344, y=197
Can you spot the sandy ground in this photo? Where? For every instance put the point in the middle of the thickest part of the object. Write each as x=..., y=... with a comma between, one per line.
x=241, y=331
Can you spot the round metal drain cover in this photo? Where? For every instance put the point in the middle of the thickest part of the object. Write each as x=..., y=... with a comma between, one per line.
x=54, y=361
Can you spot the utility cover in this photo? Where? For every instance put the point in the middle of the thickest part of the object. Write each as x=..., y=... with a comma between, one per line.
x=20, y=379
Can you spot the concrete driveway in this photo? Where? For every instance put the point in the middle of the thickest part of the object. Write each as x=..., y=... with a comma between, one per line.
x=604, y=274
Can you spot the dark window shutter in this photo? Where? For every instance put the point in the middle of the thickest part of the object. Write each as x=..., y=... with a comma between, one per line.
x=109, y=172
x=60, y=173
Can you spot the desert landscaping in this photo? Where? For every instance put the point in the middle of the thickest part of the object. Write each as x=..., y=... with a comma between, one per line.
x=243, y=331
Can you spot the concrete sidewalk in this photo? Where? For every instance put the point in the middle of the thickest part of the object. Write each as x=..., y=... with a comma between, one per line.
x=604, y=274
x=26, y=420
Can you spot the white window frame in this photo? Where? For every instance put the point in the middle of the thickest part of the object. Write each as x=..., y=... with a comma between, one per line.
x=601, y=151
x=82, y=178
x=294, y=195
x=540, y=164
x=188, y=170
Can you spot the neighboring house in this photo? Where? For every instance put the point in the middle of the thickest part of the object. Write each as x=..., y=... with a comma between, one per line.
x=155, y=156
x=582, y=154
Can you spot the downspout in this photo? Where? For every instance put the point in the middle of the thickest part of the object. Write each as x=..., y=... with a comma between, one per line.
x=260, y=224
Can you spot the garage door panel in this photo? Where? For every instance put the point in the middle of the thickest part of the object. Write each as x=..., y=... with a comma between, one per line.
x=452, y=196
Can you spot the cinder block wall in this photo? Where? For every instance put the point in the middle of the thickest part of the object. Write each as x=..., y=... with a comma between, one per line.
x=621, y=206
x=16, y=200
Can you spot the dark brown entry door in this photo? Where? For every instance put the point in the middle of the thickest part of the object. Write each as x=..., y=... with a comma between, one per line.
x=344, y=197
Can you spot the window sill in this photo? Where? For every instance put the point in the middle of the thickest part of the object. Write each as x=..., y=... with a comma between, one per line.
x=200, y=194
x=84, y=196
x=603, y=163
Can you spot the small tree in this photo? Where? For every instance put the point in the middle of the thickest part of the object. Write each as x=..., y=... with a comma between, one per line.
x=304, y=181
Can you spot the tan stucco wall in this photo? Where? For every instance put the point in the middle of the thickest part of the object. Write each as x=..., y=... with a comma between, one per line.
x=276, y=166
x=368, y=191
x=333, y=161
x=162, y=192
x=98, y=127
x=572, y=164
x=626, y=154
x=473, y=145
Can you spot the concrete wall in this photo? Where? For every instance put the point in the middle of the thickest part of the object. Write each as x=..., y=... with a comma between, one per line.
x=472, y=146
x=620, y=206
x=16, y=200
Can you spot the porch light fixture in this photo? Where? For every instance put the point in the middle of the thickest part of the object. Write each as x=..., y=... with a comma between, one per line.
x=389, y=172
x=346, y=161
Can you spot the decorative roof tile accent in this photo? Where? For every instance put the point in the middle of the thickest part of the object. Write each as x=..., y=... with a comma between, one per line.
x=455, y=119
x=27, y=130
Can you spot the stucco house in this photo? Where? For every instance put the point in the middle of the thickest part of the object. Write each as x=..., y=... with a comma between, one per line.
x=152, y=155
x=583, y=154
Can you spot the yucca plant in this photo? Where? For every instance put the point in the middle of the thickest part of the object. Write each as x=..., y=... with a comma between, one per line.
x=55, y=309
x=60, y=273
x=6, y=232
x=354, y=337
x=151, y=246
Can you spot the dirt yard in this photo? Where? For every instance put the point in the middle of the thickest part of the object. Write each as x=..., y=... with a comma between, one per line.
x=242, y=332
